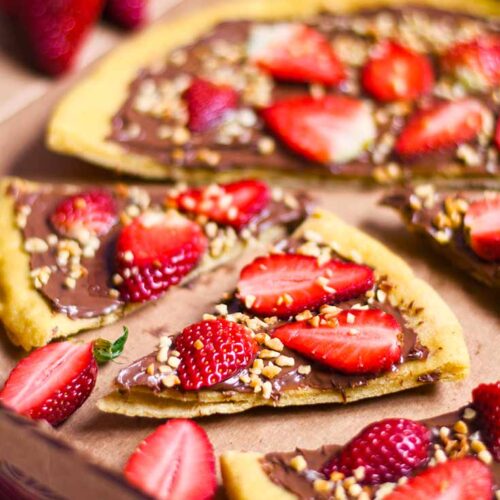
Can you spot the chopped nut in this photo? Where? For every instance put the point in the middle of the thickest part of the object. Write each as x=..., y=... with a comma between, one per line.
x=162, y=355
x=165, y=341
x=268, y=354
x=70, y=283
x=36, y=245
x=440, y=456
x=461, y=427
x=267, y=390
x=284, y=361
x=322, y=486
x=266, y=145
x=250, y=301
x=170, y=380
x=359, y=473
x=298, y=463
x=477, y=446
x=355, y=490
x=469, y=413
x=270, y=371
x=485, y=456
x=150, y=370
x=304, y=369
x=304, y=315
x=274, y=343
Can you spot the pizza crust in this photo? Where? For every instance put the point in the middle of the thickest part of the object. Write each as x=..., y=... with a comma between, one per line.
x=436, y=326
x=82, y=121
x=28, y=317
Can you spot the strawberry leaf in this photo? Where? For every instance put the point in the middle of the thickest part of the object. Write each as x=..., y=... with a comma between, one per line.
x=105, y=351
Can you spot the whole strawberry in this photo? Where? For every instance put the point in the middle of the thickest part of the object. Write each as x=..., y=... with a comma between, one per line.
x=213, y=351
x=486, y=400
x=388, y=450
x=128, y=14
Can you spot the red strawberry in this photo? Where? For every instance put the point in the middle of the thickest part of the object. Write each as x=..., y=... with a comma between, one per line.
x=394, y=72
x=476, y=63
x=156, y=251
x=287, y=284
x=54, y=381
x=356, y=341
x=128, y=14
x=462, y=479
x=294, y=52
x=91, y=213
x=213, y=351
x=208, y=103
x=388, y=450
x=55, y=29
x=333, y=129
x=443, y=126
x=482, y=223
x=233, y=204
x=175, y=462
x=486, y=400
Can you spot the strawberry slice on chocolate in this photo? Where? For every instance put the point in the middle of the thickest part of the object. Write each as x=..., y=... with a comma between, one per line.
x=475, y=63
x=387, y=450
x=394, y=72
x=459, y=479
x=208, y=103
x=176, y=461
x=486, y=401
x=287, y=284
x=333, y=129
x=355, y=341
x=442, y=126
x=213, y=351
x=129, y=14
x=482, y=225
x=155, y=251
x=294, y=52
x=234, y=204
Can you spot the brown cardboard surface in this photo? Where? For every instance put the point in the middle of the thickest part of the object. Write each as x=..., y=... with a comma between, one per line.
x=109, y=439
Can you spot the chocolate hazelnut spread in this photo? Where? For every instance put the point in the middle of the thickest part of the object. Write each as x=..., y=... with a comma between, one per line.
x=93, y=293
x=142, y=125
x=277, y=465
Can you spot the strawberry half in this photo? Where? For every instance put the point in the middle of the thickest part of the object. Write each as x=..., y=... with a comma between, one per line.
x=462, y=479
x=443, y=126
x=52, y=382
x=294, y=52
x=388, y=450
x=482, y=225
x=213, y=351
x=234, y=204
x=55, y=30
x=475, y=63
x=155, y=251
x=287, y=284
x=333, y=129
x=208, y=103
x=356, y=341
x=395, y=72
x=128, y=14
x=175, y=462
x=486, y=400
x=91, y=213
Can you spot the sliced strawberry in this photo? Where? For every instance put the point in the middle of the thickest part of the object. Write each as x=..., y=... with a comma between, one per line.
x=395, y=72
x=486, y=400
x=443, y=126
x=462, y=479
x=175, y=462
x=356, y=341
x=234, y=204
x=54, y=381
x=128, y=14
x=294, y=52
x=208, y=103
x=91, y=213
x=213, y=351
x=333, y=129
x=476, y=63
x=482, y=224
x=156, y=251
x=55, y=30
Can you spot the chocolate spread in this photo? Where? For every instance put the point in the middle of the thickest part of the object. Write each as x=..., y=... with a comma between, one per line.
x=92, y=296
x=276, y=465
x=244, y=151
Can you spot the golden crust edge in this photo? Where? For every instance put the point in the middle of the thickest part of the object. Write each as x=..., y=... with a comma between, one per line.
x=440, y=332
x=80, y=124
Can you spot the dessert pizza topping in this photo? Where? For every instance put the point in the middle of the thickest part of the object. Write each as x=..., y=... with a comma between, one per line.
x=386, y=450
x=287, y=284
x=83, y=215
x=174, y=462
x=354, y=341
x=207, y=104
x=128, y=14
x=332, y=129
x=441, y=126
x=156, y=250
x=213, y=351
x=486, y=402
x=394, y=72
x=233, y=204
x=294, y=52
